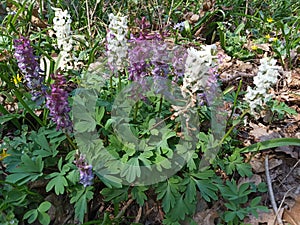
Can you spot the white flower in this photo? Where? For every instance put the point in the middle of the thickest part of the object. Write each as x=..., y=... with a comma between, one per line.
x=62, y=27
x=266, y=77
x=117, y=41
x=197, y=68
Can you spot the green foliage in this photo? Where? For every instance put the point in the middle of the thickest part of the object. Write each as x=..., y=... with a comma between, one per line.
x=36, y=151
x=235, y=162
x=177, y=201
x=280, y=109
x=236, y=197
x=138, y=193
x=39, y=213
x=276, y=142
x=115, y=195
x=58, y=180
x=30, y=169
x=234, y=42
x=81, y=197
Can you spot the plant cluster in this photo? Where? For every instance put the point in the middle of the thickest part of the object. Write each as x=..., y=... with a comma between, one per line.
x=112, y=102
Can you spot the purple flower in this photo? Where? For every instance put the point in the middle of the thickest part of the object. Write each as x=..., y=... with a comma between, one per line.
x=30, y=68
x=57, y=103
x=178, y=62
x=179, y=26
x=85, y=170
x=211, y=84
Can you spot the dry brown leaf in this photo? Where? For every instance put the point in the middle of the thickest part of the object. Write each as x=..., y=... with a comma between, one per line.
x=4, y=55
x=38, y=22
x=244, y=67
x=263, y=218
x=194, y=18
x=292, y=216
x=256, y=179
x=206, y=217
x=289, y=150
x=294, y=79
x=258, y=164
x=260, y=133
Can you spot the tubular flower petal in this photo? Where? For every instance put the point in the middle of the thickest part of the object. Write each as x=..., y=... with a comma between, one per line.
x=30, y=68
x=57, y=103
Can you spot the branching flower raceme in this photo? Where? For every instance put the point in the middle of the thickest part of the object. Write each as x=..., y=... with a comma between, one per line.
x=29, y=66
x=62, y=27
x=197, y=68
x=85, y=170
x=200, y=77
x=266, y=77
x=117, y=42
x=57, y=103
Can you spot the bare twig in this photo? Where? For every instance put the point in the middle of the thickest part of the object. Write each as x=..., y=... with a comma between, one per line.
x=270, y=189
x=170, y=12
x=88, y=17
x=246, y=11
x=139, y=215
x=282, y=201
x=122, y=211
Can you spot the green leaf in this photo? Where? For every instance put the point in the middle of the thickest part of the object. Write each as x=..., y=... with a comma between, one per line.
x=254, y=202
x=99, y=114
x=229, y=216
x=131, y=170
x=73, y=176
x=28, y=170
x=81, y=198
x=31, y=215
x=85, y=126
x=168, y=192
x=274, y=143
x=115, y=195
x=138, y=193
x=59, y=183
x=44, y=218
x=244, y=169
x=180, y=210
x=191, y=191
x=44, y=206
x=208, y=189
x=8, y=117
x=231, y=206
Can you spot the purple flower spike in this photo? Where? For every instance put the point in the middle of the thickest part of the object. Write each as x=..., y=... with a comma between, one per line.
x=212, y=84
x=30, y=68
x=86, y=171
x=57, y=103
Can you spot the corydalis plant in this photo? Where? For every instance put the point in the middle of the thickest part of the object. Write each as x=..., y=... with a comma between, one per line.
x=149, y=55
x=198, y=67
x=57, y=103
x=266, y=77
x=117, y=42
x=62, y=27
x=85, y=170
x=30, y=68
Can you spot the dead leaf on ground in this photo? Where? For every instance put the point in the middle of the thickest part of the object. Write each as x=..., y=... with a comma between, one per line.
x=256, y=179
x=258, y=164
x=206, y=217
x=289, y=150
x=261, y=133
x=244, y=66
x=292, y=216
x=194, y=18
x=267, y=218
x=294, y=79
